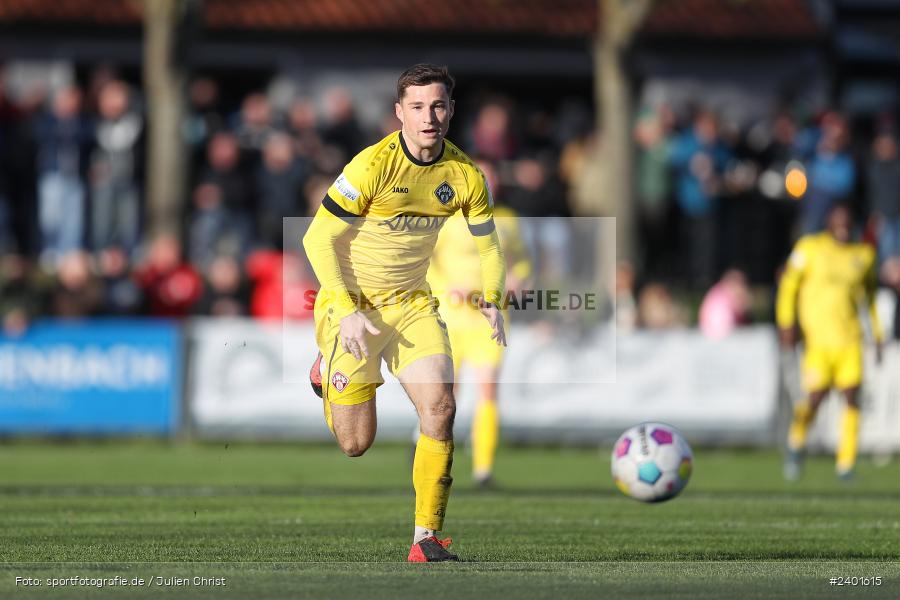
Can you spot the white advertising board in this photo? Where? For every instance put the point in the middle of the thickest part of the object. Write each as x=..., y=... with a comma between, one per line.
x=714, y=390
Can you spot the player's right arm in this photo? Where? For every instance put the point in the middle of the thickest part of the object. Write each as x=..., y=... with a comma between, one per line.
x=788, y=288
x=479, y=213
x=319, y=243
x=344, y=204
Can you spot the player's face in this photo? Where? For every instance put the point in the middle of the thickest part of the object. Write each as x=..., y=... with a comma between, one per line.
x=425, y=111
x=840, y=222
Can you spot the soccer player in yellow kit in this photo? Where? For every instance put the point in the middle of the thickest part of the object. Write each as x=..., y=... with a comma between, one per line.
x=454, y=277
x=370, y=246
x=826, y=280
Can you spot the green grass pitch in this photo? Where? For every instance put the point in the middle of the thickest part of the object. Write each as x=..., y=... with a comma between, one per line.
x=303, y=521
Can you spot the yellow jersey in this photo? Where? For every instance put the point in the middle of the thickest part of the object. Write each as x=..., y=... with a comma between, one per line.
x=455, y=264
x=826, y=282
x=374, y=235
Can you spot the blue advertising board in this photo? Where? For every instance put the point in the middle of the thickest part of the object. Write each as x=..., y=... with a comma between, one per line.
x=93, y=377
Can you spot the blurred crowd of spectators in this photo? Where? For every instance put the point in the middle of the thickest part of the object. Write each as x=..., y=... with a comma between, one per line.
x=72, y=230
x=73, y=240
x=718, y=180
x=717, y=207
x=720, y=205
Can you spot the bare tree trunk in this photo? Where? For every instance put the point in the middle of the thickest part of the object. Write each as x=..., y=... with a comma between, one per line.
x=616, y=151
x=164, y=81
x=620, y=21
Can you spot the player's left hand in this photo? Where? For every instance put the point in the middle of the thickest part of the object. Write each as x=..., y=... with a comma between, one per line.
x=492, y=313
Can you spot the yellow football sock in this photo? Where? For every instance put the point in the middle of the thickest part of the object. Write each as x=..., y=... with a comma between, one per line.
x=803, y=416
x=432, y=480
x=485, y=433
x=847, y=445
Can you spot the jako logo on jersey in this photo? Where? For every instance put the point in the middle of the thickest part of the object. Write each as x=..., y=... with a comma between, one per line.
x=346, y=188
x=339, y=381
x=444, y=193
x=401, y=190
x=413, y=223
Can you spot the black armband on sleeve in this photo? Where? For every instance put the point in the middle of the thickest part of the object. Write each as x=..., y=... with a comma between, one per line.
x=338, y=210
x=485, y=228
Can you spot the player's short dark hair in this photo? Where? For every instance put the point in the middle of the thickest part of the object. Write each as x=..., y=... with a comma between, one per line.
x=424, y=74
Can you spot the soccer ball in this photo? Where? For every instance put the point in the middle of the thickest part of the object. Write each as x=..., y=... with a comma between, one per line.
x=651, y=462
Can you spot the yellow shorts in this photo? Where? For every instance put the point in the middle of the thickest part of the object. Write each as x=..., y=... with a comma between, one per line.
x=824, y=368
x=410, y=330
x=470, y=338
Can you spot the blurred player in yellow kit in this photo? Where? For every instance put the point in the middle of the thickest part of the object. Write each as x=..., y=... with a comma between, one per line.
x=827, y=281
x=370, y=245
x=454, y=276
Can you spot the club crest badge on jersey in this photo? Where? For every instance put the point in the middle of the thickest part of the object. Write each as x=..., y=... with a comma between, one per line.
x=444, y=193
x=339, y=381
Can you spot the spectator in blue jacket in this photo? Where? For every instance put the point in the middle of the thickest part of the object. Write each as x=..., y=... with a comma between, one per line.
x=699, y=157
x=831, y=173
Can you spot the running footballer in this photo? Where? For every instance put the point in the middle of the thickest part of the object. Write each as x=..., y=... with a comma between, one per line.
x=828, y=279
x=370, y=246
